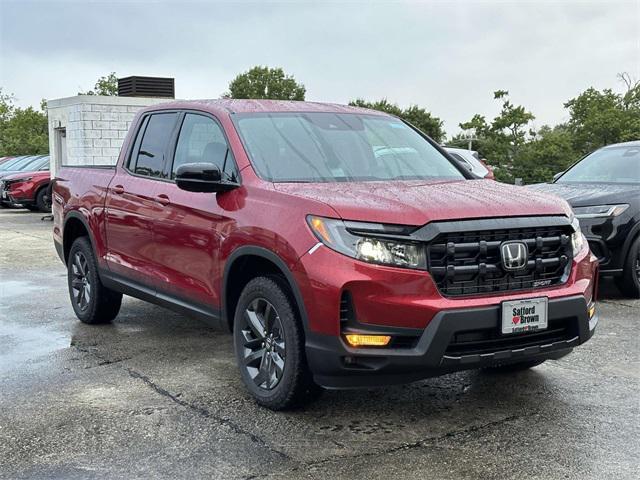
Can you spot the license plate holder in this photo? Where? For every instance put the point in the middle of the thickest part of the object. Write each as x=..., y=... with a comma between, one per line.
x=524, y=315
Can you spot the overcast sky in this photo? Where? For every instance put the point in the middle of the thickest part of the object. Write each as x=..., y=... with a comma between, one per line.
x=445, y=56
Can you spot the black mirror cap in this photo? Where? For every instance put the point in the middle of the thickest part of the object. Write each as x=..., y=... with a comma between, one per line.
x=201, y=177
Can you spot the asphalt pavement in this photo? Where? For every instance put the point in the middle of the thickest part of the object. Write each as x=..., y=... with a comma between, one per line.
x=158, y=395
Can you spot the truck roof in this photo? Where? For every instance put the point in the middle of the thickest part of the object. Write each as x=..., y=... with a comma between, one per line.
x=230, y=105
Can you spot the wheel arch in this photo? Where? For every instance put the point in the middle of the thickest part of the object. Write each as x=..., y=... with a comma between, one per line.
x=263, y=261
x=41, y=188
x=44, y=186
x=631, y=237
x=75, y=226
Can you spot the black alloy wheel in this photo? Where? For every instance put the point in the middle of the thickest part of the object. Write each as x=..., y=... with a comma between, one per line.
x=269, y=345
x=264, y=351
x=80, y=281
x=92, y=302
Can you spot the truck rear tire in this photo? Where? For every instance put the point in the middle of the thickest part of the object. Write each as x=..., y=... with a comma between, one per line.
x=629, y=282
x=269, y=346
x=92, y=302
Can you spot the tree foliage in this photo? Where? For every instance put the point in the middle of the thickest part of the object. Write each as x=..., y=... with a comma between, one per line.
x=501, y=140
x=549, y=151
x=265, y=83
x=507, y=141
x=23, y=131
x=107, y=85
x=417, y=116
x=598, y=118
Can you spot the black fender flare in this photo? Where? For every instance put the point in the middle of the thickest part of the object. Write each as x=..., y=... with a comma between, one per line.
x=633, y=234
x=250, y=250
x=75, y=214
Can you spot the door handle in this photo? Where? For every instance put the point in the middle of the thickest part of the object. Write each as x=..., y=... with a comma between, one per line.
x=163, y=199
x=119, y=189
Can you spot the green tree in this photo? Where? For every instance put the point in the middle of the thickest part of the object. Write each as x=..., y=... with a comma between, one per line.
x=23, y=131
x=550, y=151
x=6, y=107
x=382, y=105
x=501, y=140
x=598, y=118
x=417, y=116
x=107, y=85
x=265, y=83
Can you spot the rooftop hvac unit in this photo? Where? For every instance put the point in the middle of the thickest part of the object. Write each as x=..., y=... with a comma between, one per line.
x=146, y=87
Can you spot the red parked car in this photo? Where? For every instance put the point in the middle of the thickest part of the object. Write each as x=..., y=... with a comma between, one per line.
x=332, y=264
x=28, y=189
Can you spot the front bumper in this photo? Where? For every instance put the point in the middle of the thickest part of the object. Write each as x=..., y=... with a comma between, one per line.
x=438, y=349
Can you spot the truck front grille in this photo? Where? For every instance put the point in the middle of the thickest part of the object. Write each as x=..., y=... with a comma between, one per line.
x=470, y=263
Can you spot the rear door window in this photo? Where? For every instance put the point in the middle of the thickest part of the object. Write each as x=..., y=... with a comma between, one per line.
x=150, y=149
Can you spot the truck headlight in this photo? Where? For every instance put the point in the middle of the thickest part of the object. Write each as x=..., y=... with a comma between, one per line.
x=600, y=211
x=21, y=179
x=577, y=238
x=369, y=242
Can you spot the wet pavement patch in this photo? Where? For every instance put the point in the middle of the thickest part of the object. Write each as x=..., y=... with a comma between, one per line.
x=157, y=395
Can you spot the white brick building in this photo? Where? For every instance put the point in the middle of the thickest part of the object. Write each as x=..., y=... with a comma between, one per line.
x=90, y=129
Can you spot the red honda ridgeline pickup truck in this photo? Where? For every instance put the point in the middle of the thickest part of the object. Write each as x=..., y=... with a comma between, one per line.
x=341, y=246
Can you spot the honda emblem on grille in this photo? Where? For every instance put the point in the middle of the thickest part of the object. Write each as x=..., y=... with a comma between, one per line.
x=514, y=255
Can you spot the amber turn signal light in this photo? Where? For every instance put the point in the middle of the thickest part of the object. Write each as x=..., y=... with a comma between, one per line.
x=357, y=340
x=592, y=311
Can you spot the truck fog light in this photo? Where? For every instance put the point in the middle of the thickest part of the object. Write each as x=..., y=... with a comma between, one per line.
x=357, y=340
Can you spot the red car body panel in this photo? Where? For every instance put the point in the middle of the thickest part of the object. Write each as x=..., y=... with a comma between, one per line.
x=179, y=243
x=25, y=192
x=401, y=298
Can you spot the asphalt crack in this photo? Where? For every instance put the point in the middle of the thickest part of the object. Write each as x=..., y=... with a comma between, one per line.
x=174, y=398
x=608, y=302
x=399, y=448
x=28, y=235
x=206, y=413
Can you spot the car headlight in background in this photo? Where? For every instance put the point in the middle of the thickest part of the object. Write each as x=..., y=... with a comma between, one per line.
x=600, y=211
x=367, y=242
x=577, y=238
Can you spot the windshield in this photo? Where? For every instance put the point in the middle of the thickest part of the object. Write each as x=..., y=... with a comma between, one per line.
x=336, y=147
x=29, y=163
x=10, y=163
x=608, y=165
x=43, y=164
x=24, y=162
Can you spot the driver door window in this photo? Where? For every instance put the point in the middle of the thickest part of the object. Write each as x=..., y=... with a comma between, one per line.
x=201, y=141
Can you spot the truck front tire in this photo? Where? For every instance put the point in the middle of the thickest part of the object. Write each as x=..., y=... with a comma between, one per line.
x=629, y=282
x=269, y=346
x=42, y=204
x=92, y=302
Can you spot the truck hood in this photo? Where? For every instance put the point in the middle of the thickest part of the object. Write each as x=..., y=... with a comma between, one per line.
x=587, y=194
x=417, y=202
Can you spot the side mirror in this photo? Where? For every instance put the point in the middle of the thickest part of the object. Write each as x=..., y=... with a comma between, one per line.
x=201, y=177
x=557, y=176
